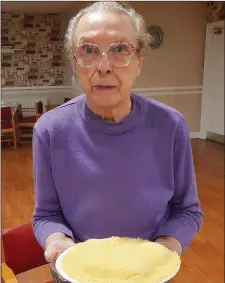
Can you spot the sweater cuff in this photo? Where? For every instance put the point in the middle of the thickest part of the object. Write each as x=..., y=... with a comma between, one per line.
x=46, y=230
x=183, y=234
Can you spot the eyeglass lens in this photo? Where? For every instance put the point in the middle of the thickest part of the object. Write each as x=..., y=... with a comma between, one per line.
x=119, y=54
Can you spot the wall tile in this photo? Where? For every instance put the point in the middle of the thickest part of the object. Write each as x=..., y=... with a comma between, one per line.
x=215, y=11
x=39, y=60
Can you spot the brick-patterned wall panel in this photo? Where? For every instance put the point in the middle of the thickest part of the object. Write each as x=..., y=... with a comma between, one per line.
x=215, y=11
x=31, y=50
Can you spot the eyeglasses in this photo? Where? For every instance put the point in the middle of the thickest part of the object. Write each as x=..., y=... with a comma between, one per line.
x=119, y=54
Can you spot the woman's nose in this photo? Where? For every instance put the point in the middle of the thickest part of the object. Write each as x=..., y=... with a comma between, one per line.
x=104, y=66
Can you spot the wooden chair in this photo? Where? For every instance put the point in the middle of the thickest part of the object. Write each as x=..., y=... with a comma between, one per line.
x=51, y=106
x=20, y=253
x=9, y=125
x=28, y=121
x=66, y=99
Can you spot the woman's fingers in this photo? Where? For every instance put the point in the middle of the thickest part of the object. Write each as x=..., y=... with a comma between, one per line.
x=55, y=248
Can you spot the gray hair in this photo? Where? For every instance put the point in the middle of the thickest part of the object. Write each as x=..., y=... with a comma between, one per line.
x=143, y=36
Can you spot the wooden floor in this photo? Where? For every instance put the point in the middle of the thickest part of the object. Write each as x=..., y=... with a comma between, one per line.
x=204, y=260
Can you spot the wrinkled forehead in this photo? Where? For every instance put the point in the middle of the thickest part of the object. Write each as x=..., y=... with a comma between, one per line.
x=104, y=28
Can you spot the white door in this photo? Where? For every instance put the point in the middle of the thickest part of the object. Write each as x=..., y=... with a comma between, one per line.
x=213, y=86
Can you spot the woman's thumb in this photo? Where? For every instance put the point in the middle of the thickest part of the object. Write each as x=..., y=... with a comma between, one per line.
x=50, y=254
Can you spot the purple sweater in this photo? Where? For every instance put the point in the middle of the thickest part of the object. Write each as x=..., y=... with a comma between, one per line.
x=97, y=179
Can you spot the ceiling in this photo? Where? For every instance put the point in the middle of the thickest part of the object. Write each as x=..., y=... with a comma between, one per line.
x=37, y=6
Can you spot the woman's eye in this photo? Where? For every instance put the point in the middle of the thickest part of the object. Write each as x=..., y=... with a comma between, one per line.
x=88, y=49
x=119, y=48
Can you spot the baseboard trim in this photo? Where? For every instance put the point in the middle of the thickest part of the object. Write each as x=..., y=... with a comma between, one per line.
x=195, y=135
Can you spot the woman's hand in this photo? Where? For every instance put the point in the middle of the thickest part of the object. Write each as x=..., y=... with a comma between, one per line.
x=171, y=243
x=55, y=244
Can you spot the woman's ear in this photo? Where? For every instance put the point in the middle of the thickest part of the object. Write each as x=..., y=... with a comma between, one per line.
x=139, y=64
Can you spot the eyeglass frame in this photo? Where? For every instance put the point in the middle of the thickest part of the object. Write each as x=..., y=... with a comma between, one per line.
x=135, y=51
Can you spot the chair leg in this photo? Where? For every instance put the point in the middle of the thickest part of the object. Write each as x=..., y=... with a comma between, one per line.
x=18, y=134
x=15, y=139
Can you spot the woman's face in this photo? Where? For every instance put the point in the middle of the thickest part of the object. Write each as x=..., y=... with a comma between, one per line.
x=105, y=84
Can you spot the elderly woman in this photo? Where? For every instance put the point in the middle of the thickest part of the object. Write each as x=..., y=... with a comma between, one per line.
x=110, y=162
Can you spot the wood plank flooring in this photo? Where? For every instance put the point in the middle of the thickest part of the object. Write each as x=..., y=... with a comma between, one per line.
x=203, y=262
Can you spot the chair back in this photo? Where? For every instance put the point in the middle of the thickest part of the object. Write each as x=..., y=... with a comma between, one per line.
x=22, y=251
x=40, y=107
x=66, y=99
x=19, y=112
x=6, y=114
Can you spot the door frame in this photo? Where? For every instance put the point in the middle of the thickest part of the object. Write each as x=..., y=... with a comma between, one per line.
x=206, y=75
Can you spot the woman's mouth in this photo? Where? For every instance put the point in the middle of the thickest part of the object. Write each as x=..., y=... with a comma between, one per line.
x=104, y=87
